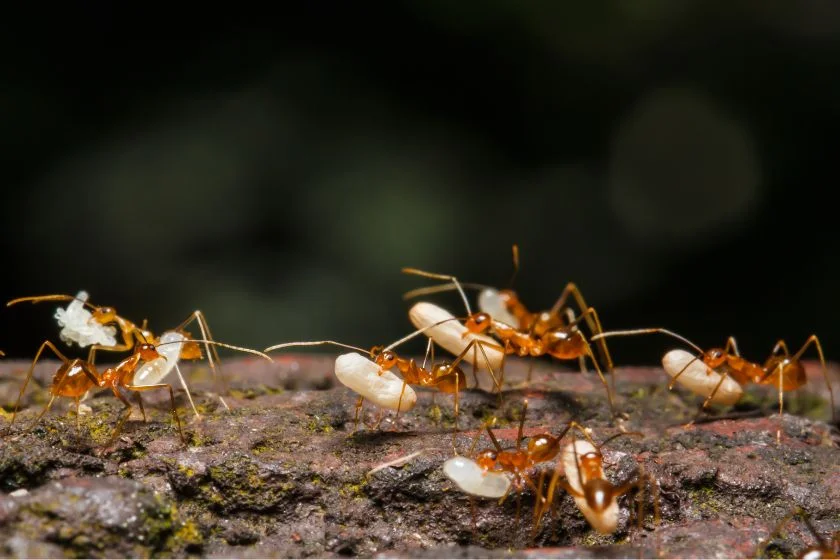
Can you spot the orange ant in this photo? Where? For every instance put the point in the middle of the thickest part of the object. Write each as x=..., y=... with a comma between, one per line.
x=477, y=477
x=822, y=549
x=132, y=334
x=582, y=464
x=781, y=369
x=506, y=306
x=74, y=378
x=564, y=342
x=445, y=376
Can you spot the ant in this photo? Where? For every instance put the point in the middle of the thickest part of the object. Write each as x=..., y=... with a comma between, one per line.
x=582, y=464
x=822, y=549
x=506, y=307
x=74, y=378
x=781, y=369
x=563, y=342
x=130, y=333
x=482, y=475
x=445, y=376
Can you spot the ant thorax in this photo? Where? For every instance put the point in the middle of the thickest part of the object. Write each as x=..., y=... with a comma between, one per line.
x=77, y=325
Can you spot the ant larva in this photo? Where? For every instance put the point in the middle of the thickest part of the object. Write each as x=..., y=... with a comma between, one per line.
x=564, y=342
x=371, y=379
x=75, y=377
x=720, y=373
x=822, y=549
x=582, y=465
x=506, y=307
x=95, y=328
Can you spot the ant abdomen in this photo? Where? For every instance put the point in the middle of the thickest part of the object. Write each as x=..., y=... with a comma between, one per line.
x=792, y=373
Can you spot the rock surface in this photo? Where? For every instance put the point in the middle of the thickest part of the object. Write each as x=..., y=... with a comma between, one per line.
x=282, y=474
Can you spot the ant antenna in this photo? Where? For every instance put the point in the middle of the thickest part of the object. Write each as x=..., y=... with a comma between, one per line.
x=418, y=332
x=53, y=297
x=426, y=290
x=408, y=270
x=315, y=343
x=647, y=331
x=223, y=345
x=515, y=265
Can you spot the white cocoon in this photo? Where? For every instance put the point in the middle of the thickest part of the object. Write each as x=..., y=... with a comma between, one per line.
x=472, y=479
x=700, y=378
x=382, y=388
x=450, y=335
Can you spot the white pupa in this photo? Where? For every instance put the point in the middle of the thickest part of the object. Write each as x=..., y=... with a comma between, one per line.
x=77, y=325
x=472, y=479
x=607, y=521
x=382, y=388
x=155, y=371
x=450, y=335
x=700, y=378
x=490, y=302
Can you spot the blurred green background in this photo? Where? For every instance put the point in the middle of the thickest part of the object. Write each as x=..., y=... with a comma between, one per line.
x=677, y=160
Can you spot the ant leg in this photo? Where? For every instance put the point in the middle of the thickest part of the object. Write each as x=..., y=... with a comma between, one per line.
x=399, y=403
x=816, y=342
x=125, y=347
x=78, y=404
x=570, y=317
x=480, y=344
x=478, y=433
x=124, y=415
x=187, y=391
x=723, y=375
x=358, y=411
x=46, y=409
x=140, y=404
x=212, y=352
x=592, y=321
x=456, y=397
x=46, y=344
x=521, y=425
x=455, y=282
x=175, y=417
x=732, y=346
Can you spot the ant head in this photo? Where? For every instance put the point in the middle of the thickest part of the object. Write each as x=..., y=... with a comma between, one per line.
x=147, y=352
x=103, y=315
x=486, y=459
x=543, y=447
x=599, y=494
x=478, y=322
x=386, y=359
x=714, y=357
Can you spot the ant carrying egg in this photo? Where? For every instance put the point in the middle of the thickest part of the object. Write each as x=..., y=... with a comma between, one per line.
x=719, y=374
x=96, y=328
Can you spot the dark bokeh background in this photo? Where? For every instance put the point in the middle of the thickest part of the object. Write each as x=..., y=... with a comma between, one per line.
x=678, y=160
